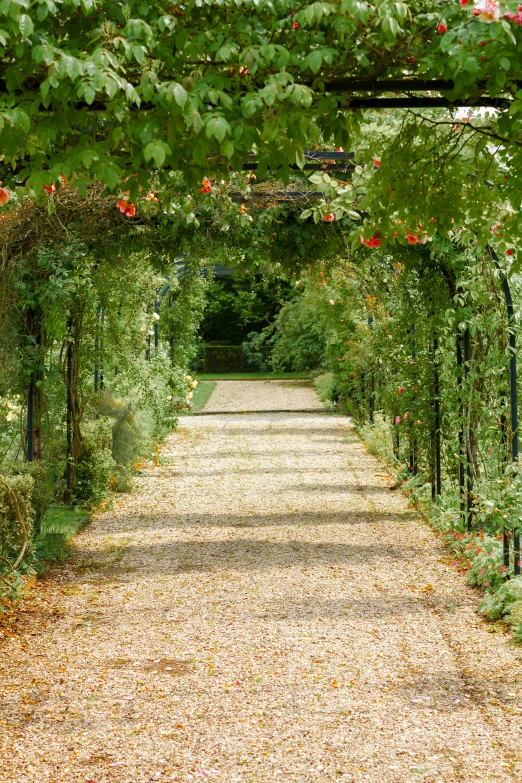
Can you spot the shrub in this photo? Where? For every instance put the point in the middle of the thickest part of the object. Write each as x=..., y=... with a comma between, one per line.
x=96, y=465
x=16, y=526
x=256, y=351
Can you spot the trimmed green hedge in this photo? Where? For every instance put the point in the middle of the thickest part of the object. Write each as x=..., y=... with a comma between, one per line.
x=224, y=358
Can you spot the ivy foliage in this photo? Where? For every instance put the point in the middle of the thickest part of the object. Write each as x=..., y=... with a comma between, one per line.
x=108, y=91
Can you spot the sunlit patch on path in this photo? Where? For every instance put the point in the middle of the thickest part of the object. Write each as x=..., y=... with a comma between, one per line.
x=262, y=608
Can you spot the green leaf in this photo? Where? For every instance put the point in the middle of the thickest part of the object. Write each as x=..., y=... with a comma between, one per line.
x=180, y=95
x=197, y=122
x=89, y=93
x=157, y=150
x=315, y=60
x=300, y=158
x=228, y=149
x=25, y=24
x=217, y=127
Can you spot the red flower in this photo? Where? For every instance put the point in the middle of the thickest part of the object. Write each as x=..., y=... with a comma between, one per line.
x=295, y=26
x=441, y=28
x=371, y=242
x=4, y=196
x=329, y=218
x=510, y=251
x=207, y=187
x=126, y=207
x=476, y=11
x=515, y=18
x=410, y=60
x=376, y=162
x=403, y=389
x=339, y=149
x=50, y=188
x=412, y=238
x=464, y=2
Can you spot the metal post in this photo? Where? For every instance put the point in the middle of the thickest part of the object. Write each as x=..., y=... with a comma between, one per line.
x=30, y=420
x=513, y=404
x=68, y=466
x=413, y=454
x=372, y=379
x=436, y=411
x=461, y=430
x=97, y=352
x=469, y=475
x=156, y=329
x=102, y=326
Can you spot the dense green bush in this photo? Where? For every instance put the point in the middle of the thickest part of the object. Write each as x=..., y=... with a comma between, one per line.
x=17, y=517
x=225, y=358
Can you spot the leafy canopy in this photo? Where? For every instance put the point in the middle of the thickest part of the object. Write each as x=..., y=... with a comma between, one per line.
x=107, y=91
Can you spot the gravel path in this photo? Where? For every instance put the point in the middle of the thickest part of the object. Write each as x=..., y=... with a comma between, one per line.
x=263, y=608
x=263, y=395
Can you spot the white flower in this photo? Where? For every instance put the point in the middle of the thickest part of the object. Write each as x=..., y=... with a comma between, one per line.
x=11, y=416
x=193, y=384
x=155, y=317
x=489, y=10
x=188, y=396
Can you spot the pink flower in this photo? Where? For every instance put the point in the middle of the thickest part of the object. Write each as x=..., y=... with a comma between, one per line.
x=328, y=218
x=397, y=420
x=332, y=301
x=515, y=18
x=405, y=417
x=486, y=584
x=295, y=26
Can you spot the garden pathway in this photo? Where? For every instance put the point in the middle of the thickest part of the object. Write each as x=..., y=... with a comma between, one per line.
x=265, y=607
x=280, y=395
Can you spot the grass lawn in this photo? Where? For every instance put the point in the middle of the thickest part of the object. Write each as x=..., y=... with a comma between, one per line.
x=61, y=523
x=252, y=376
x=201, y=394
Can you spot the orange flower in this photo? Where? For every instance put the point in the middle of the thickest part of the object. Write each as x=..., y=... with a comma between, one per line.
x=126, y=207
x=4, y=196
x=207, y=187
x=371, y=242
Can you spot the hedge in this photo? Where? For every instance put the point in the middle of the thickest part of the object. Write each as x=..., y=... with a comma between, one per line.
x=225, y=358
